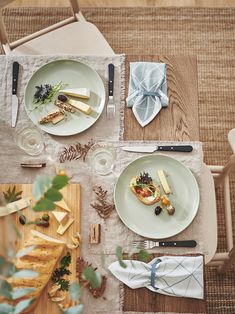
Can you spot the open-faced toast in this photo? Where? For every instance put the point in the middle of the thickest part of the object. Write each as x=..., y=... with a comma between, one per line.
x=145, y=189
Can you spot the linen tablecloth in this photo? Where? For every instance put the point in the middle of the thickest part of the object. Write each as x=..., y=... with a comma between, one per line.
x=114, y=232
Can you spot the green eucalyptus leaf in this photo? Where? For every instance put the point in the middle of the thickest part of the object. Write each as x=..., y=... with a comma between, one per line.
x=53, y=195
x=7, y=268
x=5, y=289
x=75, y=291
x=77, y=309
x=143, y=256
x=6, y=308
x=22, y=305
x=119, y=257
x=44, y=204
x=25, y=251
x=21, y=292
x=93, y=277
x=40, y=186
x=59, y=182
x=25, y=273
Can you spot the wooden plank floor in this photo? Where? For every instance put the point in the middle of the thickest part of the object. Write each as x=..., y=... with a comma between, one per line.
x=128, y=3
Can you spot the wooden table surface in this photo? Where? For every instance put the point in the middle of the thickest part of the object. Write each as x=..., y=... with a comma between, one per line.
x=178, y=122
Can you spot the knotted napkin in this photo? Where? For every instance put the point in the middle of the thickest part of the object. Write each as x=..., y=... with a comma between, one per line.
x=147, y=90
x=180, y=276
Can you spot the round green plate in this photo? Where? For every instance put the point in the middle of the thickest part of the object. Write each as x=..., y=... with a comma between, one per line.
x=76, y=75
x=141, y=218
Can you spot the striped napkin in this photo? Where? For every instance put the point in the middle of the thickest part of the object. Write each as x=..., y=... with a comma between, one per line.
x=179, y=276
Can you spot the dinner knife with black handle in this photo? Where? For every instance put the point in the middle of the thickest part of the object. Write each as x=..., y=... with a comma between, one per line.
x=14, y=98
x=152, y=148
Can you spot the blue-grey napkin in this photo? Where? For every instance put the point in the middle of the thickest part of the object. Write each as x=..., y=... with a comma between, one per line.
x=147, y=90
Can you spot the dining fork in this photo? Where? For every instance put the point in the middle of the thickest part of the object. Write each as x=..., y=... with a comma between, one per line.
x=149, y=244
x=110, y=110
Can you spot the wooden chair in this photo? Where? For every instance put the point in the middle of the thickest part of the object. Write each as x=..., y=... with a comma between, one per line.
x=221, y=177
x=71, y=36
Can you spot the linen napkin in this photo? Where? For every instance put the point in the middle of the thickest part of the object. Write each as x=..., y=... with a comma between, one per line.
x=147, y=90
x=179, y=276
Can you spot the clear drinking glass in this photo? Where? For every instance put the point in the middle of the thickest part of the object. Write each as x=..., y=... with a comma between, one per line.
x=100, y=158
x=30, y=139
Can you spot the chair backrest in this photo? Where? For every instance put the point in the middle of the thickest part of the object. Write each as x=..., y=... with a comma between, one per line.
x=7, y=46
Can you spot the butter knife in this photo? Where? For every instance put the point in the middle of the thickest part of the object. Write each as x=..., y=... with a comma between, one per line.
x=152, y=149
x=14, y=99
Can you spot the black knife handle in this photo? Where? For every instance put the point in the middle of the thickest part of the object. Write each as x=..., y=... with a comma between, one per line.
x=186, y=243
x=15, y=73
x=111, y=78
x=176, y=148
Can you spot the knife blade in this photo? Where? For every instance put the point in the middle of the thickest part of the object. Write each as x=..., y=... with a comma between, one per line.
x=186, y=243
x=14, y=99
x=152, y=149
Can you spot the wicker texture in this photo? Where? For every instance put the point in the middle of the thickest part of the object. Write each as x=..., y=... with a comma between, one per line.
x=208, y=33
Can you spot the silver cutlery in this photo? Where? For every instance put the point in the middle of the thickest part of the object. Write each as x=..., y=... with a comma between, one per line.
x=14, y=99
x=149, y=244
x=153, y=148
x=110, y=110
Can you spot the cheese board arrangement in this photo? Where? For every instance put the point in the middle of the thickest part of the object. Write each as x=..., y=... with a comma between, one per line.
x=50, y=245
x=64, y=97
x=162, y=199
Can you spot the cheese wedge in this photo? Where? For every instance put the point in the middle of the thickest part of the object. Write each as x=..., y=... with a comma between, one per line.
x=80, y=106
x=57, y=119
x=63, y=205
x=15, y=206
x=61, y=230
x=61, y=217
x=164, y=182
x=77, y=92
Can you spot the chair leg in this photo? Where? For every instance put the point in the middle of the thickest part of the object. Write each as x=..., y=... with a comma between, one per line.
x=222, y=269
x=227, y=168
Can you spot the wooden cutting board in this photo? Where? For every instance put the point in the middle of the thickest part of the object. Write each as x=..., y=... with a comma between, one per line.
x=72, y=197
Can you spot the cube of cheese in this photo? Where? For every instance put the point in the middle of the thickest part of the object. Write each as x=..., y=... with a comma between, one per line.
x=77, y=92
x=61, y=230
x=61, y=217
x=63, y=205
x=80, y=106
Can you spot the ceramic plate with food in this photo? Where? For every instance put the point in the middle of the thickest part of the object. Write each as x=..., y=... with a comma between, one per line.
x=81, y=101
x=156, y=196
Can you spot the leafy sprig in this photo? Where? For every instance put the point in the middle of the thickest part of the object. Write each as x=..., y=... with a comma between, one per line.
x=11, y=195
x=46, y=191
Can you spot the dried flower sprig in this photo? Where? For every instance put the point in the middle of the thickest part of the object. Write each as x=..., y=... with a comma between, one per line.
x=87, y=276
x=75, y=151
x=103, y=207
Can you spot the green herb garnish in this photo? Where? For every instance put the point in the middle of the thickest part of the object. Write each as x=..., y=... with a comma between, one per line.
x=57, y=276
x=144, y=178
x=45, y=93
x=11, y=195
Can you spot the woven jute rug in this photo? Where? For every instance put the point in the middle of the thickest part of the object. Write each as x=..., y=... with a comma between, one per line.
x=208, y=33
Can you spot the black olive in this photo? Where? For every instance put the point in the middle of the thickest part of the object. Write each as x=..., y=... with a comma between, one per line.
x=22, y=219
x=158, y=210
x=62, y=98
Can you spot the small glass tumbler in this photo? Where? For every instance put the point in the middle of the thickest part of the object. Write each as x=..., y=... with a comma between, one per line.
x=100, y=158
x=30, y=140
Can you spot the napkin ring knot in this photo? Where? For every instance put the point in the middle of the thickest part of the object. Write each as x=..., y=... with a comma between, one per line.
x=153, y=272
x=155, y=94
